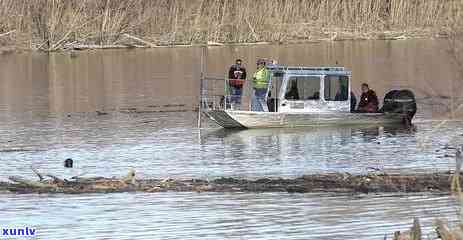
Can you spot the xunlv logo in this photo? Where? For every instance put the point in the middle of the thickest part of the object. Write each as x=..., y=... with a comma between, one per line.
x=18, y=231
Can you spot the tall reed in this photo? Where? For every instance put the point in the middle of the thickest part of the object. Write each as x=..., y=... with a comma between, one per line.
x=52, y=24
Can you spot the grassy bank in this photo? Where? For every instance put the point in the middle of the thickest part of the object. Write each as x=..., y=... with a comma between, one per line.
x=57, y=24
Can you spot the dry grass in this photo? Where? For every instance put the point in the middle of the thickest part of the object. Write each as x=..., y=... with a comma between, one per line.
x=53, y=24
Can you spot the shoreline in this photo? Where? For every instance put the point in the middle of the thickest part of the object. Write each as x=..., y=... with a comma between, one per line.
x=130, y=43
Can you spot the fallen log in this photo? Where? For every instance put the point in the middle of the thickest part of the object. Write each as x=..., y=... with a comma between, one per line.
x=7, y=33
x=150, y=44
x=330, y=182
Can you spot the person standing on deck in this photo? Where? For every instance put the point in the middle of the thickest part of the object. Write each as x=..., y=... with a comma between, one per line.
x=260, y=81
x=368, y=100
x=236, y=78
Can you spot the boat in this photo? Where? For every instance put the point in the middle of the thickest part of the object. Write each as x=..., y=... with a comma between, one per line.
x=323, y=98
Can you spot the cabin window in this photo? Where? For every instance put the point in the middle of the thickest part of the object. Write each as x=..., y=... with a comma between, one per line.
x=336, y=88
x=303, y=88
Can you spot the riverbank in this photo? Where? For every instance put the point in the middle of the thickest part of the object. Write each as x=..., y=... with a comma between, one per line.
x=128, y=43
x=59, y=25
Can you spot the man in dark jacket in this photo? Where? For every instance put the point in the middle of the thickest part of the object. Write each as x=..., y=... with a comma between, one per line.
x=236, y=78
x=368, y=100
x=237, y=71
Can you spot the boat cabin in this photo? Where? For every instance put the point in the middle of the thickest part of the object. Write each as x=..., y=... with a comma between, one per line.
x=308, y=89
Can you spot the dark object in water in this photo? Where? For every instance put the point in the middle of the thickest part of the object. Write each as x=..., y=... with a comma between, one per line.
x=68, y=163
x=400, y=101
x=99, y=113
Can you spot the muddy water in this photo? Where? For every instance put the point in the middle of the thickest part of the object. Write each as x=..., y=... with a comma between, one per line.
x=48, y=107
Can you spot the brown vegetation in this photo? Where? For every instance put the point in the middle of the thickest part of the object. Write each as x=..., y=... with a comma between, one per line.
x=57, y=24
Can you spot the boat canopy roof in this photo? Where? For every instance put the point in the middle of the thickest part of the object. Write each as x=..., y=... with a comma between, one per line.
x=301, y=70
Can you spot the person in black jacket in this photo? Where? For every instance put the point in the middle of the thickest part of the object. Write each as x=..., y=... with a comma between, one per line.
x=236, y=78
x=237, y=71
x=368, y=100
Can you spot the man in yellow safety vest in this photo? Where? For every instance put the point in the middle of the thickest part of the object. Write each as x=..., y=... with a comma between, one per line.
x=260, y=81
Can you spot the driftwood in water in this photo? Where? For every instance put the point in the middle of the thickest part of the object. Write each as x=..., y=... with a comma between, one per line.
x=334, y=182
x=150, y=44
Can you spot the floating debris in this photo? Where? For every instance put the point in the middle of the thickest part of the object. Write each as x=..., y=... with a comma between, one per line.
x=329, y=182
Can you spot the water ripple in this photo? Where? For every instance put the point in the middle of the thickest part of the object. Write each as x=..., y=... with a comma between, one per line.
x=219, y=216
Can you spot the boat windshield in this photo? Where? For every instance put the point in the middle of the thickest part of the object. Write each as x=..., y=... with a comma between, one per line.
x=303, y=88
x=336, y=88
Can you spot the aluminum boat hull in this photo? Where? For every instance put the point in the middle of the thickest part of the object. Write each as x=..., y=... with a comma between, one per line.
x=249, y=119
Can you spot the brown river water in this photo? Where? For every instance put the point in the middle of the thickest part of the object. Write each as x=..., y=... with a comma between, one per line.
x=48, y=107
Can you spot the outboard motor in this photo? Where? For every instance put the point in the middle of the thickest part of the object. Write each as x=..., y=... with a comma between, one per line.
x=400, y=101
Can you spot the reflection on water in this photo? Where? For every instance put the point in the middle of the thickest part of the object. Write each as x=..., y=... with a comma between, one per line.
x=168, y=78
x=48, y=107
x=351, y=149
x=168, y=144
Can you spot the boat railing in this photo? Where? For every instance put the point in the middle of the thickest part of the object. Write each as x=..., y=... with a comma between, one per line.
x=217, y=93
